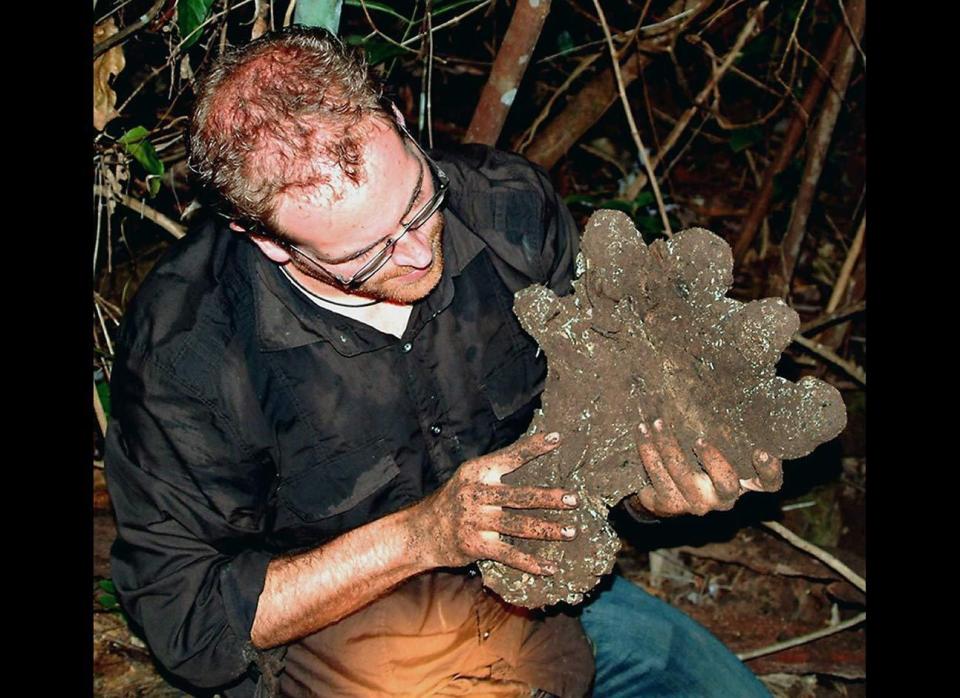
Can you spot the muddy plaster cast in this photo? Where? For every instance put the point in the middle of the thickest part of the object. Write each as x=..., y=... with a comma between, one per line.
x=648, y=333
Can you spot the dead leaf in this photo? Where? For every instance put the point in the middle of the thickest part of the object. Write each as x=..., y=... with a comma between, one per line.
x=105, y=66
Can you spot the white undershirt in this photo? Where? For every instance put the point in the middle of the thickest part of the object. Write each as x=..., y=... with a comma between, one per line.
x=389, y=318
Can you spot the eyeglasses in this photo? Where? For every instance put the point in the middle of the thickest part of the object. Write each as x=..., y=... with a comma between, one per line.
x=376, y=263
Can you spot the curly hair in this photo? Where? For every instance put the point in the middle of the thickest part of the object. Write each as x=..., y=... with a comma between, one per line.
x=287, y=112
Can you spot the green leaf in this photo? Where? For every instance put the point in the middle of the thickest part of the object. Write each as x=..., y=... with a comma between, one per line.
x=190, y=15
x=108, y=601
x=644, y=198
x=377, y=6
x=319, y=13
x=743, y=138
x=103, y=390
x=107, y=586
x=582, y=199
x=142, y=150
x=564, y=41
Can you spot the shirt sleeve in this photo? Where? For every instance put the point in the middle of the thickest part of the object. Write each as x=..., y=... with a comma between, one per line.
x=515, y=209
x=189, y=501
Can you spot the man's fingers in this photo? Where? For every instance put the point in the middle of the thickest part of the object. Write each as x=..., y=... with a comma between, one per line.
x=524, y=526
x=528, y=497
x=693, y=483
x=666, y=498
x=523, y=451
x=722, y=474
x=769, y=470
x=648, y=500
x=510, y=556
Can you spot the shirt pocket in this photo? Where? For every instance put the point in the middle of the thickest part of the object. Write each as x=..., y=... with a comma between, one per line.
x=513, y=383
x=337, y=485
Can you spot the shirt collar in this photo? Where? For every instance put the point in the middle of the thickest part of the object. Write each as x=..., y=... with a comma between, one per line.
x=287, y=320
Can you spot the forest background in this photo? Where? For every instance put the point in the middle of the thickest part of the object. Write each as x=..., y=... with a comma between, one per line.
x=745, y=117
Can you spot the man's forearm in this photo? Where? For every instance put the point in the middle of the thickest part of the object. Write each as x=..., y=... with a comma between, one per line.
x=306, y=592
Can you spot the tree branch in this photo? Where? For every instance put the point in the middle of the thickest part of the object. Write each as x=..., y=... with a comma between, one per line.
x=129, y=30
x=839, y=288
x=819, y=553
x=803, y=639
x=507, y=72
x=761, y=202
x=832, y=318
x=848, y=367
x=168, y=224
x=817, y=146
x=641, y=150
x=598, y=95
x=640, y=182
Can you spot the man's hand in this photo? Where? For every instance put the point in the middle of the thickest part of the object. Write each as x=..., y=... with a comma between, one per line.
x=463, y=520
x=681, y=487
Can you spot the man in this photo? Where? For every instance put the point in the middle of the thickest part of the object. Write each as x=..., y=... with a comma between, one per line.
x=314, y=405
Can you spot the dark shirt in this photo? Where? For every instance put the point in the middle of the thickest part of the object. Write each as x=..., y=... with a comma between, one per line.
x=248, y=422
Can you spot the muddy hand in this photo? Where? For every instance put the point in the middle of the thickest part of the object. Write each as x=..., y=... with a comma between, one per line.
x=769, y=473
x=463, y=521
x=680, y=486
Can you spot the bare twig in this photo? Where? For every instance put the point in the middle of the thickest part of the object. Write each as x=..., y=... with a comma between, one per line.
x=223, y=28
x=698, y=41
x=175, y=52
x=113, y=311
x=448, y=23
x=261, y=23
x=389, y=39
x=722, y=121
x=793, y=37
x=113, y=11
x=819, y=553
x=633, y=124
x=545, y=112
x=288, y=15
x=761, y=202
x=122, y=35
x=854, y=35
x=850, y=368
x=168, y=224
x=428, y=8
x=831, y=318
x=803, y=639
x=637, y=186
x=585, y=108
x=839, y=288
x=103, y=328
x=718, y=14
x=818, y=144
x=758, y=181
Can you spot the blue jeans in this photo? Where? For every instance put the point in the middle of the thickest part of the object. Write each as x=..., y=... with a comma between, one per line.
x=645, y=647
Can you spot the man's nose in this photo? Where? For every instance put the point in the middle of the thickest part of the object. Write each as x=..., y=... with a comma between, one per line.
x=413, y=250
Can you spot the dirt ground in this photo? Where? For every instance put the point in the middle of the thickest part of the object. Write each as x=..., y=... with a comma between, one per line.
x=748, y=586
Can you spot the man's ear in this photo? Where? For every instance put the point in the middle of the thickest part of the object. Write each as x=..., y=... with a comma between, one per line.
x=267, y=245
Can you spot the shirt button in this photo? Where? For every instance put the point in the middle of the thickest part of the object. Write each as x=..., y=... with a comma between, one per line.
x=436, y=429
x=406, y=347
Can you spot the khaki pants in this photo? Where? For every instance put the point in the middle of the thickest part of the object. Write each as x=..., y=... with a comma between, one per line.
x=442, y=634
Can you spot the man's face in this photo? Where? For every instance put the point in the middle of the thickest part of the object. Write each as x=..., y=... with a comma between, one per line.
x=344, y=233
